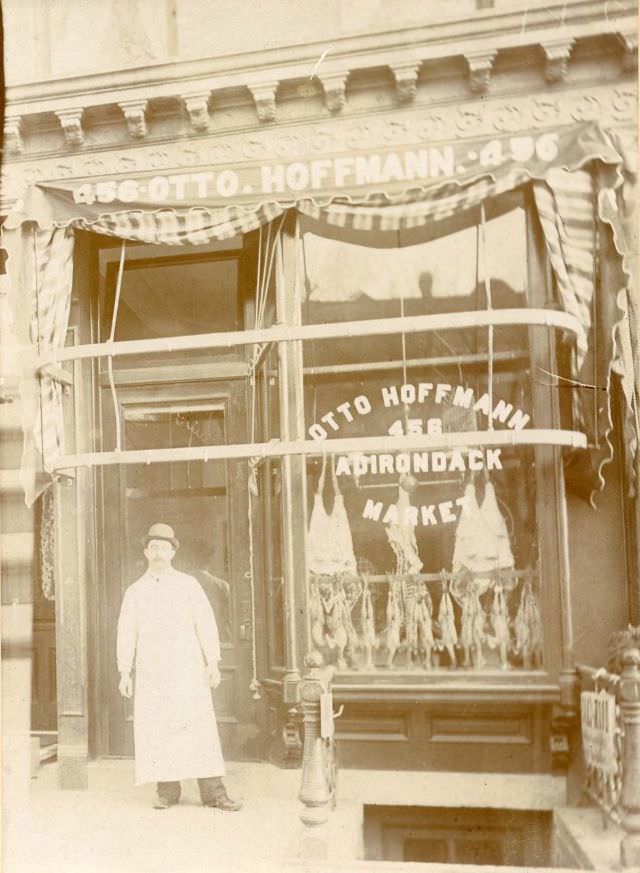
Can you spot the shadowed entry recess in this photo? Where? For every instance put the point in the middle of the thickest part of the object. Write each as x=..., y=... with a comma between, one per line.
x=458, y=835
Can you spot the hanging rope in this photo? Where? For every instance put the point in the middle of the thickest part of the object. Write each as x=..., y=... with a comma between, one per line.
x=46, y=531
x=112, y=333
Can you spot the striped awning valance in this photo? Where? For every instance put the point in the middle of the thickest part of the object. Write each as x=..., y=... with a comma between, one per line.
x=571, y=193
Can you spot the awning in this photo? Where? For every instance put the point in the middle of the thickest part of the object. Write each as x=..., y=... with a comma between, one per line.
x=580, y=184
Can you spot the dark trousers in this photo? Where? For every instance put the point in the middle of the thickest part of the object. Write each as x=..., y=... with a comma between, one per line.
x=210, y=788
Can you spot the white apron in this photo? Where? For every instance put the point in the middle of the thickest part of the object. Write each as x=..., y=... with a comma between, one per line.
x=168, y=625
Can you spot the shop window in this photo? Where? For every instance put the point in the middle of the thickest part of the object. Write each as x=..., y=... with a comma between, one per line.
x=425, y=560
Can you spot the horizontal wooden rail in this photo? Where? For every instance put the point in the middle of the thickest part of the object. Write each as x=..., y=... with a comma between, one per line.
x=277, y=448
x=451, y=360
x=332, y=330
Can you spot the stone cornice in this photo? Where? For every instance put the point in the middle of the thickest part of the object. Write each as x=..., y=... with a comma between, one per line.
x=504, y=30
x=555, y=54
x=404, y=126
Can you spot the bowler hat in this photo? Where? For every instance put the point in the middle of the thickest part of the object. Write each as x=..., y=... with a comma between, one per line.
x=161, y=531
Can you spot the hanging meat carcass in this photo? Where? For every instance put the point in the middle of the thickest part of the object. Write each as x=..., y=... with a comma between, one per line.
x=482, y=541
x=316, y=615
x=346, y=605
x=395, y=619
x=334, y=632
x=418, y=609
x=329, y=540
x=402, y=537
x=367, y=618
x=447, y=622
x=472, y=632
x=528, y=627
x=481, y=550
x=500, y=625
x=497, y=554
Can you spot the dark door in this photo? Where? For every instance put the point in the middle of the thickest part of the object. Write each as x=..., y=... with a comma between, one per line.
x=206, y=504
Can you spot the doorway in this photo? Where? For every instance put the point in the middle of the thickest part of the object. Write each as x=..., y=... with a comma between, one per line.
x=206, y=504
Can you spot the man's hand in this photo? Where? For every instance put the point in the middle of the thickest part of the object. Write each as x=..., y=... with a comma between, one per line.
x=126, y=685
x=213, y=675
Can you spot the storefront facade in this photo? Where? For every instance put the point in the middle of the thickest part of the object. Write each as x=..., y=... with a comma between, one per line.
x=336, y=346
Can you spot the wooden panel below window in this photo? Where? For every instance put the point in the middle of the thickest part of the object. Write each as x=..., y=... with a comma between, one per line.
x=486, y=728
x=465, y=737
x=373, y=726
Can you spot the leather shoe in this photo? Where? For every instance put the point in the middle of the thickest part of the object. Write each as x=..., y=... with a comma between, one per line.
x=163, y=803
x=225, y=803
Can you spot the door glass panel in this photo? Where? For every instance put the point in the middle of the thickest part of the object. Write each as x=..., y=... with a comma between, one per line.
x=191, y=496
x=175, y=298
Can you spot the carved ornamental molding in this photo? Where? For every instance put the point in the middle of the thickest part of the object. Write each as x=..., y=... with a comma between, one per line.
x=334, y=86
x=406, y=77
x=13, y=135
x=197, y=106
x=134, y=113
x=629, y=42
x=71, y=122
x=612, y=106
x=480, y=65
x=557, y=54
x=264, y=96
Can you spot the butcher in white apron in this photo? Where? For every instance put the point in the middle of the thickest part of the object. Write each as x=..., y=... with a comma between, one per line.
x=167, y=634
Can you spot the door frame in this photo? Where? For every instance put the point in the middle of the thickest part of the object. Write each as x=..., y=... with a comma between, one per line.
x=183, y=389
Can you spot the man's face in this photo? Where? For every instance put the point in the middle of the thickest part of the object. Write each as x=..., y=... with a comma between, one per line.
x=159, y=554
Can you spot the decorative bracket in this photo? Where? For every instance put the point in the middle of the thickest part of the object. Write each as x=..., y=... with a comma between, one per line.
x=334, y=86
x=71, y=121
x=557, y=56
x=406, y=76
x=197, y=106
x=480, y=65
x=264, y=96
x=13, y=135
x=134, y=113
x=629, y=43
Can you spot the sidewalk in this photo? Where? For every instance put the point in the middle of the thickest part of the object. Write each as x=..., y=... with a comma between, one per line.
x=112, y=828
